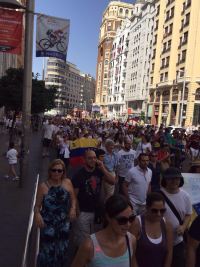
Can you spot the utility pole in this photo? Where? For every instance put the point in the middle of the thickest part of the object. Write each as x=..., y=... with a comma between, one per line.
x=27, y=88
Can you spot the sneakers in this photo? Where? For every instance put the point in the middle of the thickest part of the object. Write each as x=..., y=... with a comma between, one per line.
x=16, y=178
x=6, y=177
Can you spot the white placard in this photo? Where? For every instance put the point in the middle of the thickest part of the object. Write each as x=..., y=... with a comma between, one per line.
x=192, y=186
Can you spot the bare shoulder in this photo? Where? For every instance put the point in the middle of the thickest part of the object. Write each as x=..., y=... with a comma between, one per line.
x=132, y=237
x=42, y=187
x=67, y=182
x=168, y=225
x=135, y=228
x=87, y=248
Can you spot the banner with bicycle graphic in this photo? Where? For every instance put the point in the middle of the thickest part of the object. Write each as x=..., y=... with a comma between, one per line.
x=52, y=37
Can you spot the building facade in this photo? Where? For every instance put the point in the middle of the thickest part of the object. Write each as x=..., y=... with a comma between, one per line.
x=89, y=85
x=140, y=41
x=75, y=90
x=175, y=67
x=115, y=13
x=117, y=74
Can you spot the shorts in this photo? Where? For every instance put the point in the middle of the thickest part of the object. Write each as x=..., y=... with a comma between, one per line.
x=194, y=152
x=12, y=164
x=46, y=142
x=83, y=227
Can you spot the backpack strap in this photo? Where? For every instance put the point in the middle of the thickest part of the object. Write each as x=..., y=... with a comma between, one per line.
x=172, y=207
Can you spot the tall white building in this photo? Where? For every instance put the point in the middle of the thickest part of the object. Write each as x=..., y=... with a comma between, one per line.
x=116, y=87
x=56, y=74
x=139, y=55
x=75, y=90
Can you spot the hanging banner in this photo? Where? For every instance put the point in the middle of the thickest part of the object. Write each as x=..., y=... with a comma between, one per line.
x=52, y=37
x=11, y=23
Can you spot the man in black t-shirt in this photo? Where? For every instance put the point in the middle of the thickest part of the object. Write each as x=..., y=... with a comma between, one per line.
x=193, y=245
x=87, y=184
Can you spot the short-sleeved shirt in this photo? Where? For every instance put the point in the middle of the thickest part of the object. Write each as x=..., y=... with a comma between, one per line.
x=182, y=202
x=125, y=161
x=12, y=156
x=110, y=161
x=194, y=232
x=89, y=185
x=138, y=181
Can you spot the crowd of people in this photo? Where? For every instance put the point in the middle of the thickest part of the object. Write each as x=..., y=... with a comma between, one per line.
x=122, y=203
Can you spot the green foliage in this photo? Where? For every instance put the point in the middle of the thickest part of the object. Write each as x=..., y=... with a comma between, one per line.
x=11, y=88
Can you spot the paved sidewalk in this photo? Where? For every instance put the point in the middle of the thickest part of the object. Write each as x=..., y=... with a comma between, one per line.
x=15, y=203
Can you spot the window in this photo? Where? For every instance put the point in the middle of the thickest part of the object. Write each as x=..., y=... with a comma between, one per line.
x=121, y=10
x=167, y=16
x=185, y=38
x=183, y=58
x=163, y=63
x=156, y=25
x=161, y=77
x=170, y=28
x=155, y=39
x=169, y=45
x=197, y=95
x=167, y=62
x=187, y=20
x=164, y=47
x=158, y=11
x=154, y=54
x=172, y=13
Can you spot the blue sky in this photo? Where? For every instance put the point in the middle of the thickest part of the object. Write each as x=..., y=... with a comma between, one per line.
x=85, y=18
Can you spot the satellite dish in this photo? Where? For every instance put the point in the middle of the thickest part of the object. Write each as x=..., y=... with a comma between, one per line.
x=11, y=4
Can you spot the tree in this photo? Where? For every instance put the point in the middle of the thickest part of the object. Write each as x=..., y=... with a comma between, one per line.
x=11, y=87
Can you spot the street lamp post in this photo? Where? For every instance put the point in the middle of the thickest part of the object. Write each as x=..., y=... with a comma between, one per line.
x=27, y=88
x=27, y=81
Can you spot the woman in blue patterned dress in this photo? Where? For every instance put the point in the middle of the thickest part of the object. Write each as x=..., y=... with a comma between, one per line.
x=55, y=207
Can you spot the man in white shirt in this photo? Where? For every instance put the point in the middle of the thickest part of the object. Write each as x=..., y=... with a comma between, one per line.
x=125, y=161
x=137, y=184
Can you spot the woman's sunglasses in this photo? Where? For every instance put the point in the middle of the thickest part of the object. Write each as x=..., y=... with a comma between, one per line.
x=156, y=211
x=122, y=220
x=57, y=170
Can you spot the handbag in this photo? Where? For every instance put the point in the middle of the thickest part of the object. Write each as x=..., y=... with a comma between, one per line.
x=129, y=250
x=176, y=213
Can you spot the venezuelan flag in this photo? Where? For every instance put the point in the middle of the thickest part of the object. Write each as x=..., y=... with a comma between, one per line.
x=78, y=148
